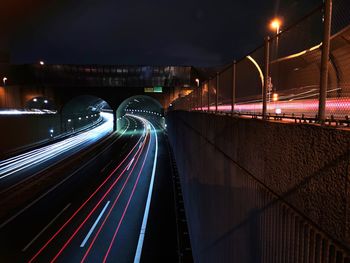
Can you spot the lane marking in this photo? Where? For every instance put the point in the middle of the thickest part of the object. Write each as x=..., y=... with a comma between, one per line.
x=44, y=229
x=132, y=160
x=94, y=225
x=112, y=207
x=128, y=203
x=148, y=204
x=88, y=216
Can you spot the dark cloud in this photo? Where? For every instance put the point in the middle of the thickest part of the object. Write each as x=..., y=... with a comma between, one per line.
x=144, y=32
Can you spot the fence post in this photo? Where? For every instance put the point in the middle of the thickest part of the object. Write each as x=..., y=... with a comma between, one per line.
x=201, y=98
x=324, y=60
x=266, y=75
x=208, y=95
x=217, y=92
x=233, y=87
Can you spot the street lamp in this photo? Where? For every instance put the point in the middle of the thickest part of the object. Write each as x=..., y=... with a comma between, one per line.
x=276, y=25
x=198, y=93
x=42, y=63
x=197, y=81
x=4, y=79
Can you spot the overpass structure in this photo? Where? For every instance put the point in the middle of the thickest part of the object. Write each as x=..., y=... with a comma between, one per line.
x=61, y=83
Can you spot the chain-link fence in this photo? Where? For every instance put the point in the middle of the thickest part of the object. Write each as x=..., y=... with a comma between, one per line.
x=293, y=76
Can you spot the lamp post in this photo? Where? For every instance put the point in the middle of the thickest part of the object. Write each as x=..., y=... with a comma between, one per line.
x=198, y=104
x=4, y=80
x=275, y=25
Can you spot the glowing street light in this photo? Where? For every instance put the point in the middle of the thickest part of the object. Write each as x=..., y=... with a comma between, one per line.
x=4, y=79
x=35, y=99
x=276, y=25
x=275, y=97
x=197, y=81
x=42, y=63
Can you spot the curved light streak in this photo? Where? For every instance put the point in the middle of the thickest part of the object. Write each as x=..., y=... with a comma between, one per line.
x=258, y=68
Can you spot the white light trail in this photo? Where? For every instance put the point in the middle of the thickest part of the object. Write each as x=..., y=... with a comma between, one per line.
x=43, y=154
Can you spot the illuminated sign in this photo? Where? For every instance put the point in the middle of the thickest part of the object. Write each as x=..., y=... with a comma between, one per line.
x=148, y=90
x=157, y=89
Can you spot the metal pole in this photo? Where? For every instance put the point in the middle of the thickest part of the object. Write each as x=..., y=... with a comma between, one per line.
x=233, y=87
x=201, y=99
x=324, y=60
x=197, y=99
x=208, y=96
x=266, y=75
x=217, y=92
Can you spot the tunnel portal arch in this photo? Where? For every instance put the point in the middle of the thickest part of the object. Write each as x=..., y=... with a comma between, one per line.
x=138, y=103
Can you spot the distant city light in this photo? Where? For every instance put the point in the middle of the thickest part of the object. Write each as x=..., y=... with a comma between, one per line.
x=35, y=99
x=275, y=97
x=69, y=120
x=46, y=101
x=278, y=111
x=51, y=130
x=42, y=63
x=79, y=118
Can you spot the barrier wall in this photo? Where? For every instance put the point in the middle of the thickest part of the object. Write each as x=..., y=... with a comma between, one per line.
x=21, y=131
x=259, y=191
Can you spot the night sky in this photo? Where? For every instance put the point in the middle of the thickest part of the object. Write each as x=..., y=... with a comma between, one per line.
x=152, y=32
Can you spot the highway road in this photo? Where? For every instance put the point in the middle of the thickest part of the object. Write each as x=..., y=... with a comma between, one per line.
x=17, y=168
x=92, y=208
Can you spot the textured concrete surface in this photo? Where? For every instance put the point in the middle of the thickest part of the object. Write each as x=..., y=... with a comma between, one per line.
x=234, y=169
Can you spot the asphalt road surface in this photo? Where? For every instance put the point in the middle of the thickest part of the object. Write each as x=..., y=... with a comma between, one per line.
x=93, y=207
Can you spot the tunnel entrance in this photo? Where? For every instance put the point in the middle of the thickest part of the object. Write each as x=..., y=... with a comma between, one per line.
x=84, y=111
x=140, y=105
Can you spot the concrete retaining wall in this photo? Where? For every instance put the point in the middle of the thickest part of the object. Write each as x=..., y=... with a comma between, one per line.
x=249, y=184
x=19, y=131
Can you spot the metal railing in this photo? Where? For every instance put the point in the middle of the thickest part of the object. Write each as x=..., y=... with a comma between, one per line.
x=292, y=73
